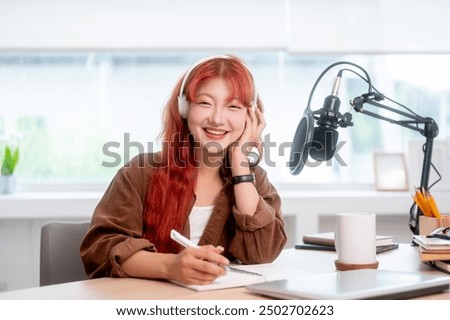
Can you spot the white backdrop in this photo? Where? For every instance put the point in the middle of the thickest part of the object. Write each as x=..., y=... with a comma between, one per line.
x=305, y=26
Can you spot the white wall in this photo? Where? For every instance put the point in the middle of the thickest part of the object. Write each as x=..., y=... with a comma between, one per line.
x=304, y=26
x=141, y=24
x=376, y=26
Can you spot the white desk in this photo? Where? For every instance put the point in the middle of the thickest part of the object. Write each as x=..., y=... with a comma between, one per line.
x=404, y=259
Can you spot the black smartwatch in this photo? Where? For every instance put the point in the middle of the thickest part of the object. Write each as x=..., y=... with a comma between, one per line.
x=244, y=178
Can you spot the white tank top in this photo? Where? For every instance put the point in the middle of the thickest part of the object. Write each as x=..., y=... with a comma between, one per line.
x=198, y=219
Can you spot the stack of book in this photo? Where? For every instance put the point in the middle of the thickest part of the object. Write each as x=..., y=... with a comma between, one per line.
x=325, y=241
x=434, y=251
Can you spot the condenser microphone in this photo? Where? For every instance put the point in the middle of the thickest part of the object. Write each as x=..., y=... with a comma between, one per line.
x=319, y=142
x=325, y=135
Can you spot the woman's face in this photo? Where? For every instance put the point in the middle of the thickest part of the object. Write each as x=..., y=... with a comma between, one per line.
x=214, y=120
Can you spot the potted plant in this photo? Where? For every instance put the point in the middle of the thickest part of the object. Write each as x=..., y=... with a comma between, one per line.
x=7, y=177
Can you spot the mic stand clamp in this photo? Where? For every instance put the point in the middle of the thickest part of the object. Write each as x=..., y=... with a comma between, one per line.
x=358, y=102
x=344, y=120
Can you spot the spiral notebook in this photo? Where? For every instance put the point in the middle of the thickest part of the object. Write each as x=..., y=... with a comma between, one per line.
x=234, y=277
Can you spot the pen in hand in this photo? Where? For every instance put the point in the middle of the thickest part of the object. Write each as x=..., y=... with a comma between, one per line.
x=185, y=242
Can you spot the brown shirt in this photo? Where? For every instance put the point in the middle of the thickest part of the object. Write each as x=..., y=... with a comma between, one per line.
x=116, y=229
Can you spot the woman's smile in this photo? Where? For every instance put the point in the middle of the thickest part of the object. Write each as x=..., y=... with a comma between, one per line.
x=215, y=134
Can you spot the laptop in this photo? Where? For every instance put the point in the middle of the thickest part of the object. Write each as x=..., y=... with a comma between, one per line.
x=354, y=284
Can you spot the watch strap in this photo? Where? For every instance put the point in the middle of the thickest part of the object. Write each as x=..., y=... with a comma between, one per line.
x=244, y=178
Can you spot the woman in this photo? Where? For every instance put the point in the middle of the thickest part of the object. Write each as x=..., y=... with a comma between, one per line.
x=200, y=184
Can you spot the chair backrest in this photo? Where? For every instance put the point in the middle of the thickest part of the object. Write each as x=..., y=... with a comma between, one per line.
x=60, y=257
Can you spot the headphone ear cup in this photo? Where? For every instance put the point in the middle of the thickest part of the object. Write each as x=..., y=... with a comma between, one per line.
x=183, y=106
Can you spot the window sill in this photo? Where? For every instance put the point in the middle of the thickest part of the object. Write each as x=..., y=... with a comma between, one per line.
x=80, y=204
x=48, y=205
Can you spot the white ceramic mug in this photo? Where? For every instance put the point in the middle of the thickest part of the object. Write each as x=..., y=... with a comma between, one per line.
x=355, y=238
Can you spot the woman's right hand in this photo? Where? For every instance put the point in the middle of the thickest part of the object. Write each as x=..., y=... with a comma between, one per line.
x=197, y=265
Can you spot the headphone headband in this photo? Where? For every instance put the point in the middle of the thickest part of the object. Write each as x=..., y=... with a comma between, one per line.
x=183, y=104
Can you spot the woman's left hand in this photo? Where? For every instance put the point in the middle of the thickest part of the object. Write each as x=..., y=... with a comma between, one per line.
x=254, y=125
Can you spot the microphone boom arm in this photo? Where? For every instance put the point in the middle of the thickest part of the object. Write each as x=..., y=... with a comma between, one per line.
x=429, y=130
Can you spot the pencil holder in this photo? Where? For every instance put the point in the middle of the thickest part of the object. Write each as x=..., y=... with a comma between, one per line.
x=428, y=224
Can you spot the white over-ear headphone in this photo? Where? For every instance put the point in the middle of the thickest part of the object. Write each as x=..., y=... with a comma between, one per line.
x=183, y=104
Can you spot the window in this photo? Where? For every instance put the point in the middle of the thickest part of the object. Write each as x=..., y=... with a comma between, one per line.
x=78, y=117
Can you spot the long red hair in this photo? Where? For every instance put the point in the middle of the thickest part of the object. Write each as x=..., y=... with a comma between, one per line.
x=172, y=186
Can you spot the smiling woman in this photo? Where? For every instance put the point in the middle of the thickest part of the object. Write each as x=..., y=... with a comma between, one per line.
x=80, y=116
x=231, y=218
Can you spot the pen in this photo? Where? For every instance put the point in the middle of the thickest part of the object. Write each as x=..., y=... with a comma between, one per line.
x=185, y=242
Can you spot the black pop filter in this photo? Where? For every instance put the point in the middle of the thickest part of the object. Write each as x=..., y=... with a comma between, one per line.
x=301, y=143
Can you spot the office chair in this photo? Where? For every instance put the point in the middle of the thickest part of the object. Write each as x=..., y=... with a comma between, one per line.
x=60, y=257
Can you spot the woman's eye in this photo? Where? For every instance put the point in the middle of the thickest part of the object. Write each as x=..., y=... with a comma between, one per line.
x=204, y=104
x=234, y=107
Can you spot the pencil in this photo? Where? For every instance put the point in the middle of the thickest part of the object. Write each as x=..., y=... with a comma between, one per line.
x=422, y=203
x=433, y=206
